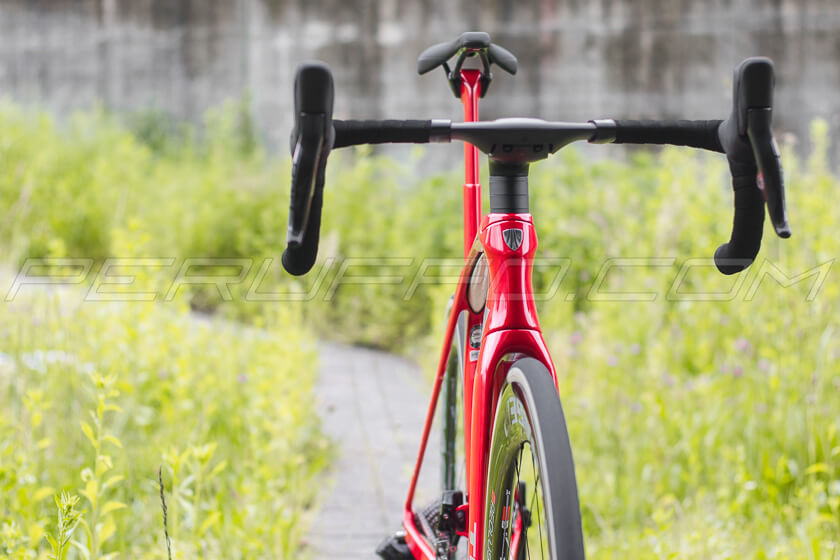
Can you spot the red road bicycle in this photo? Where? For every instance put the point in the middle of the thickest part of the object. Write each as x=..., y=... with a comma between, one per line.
x=520, y=494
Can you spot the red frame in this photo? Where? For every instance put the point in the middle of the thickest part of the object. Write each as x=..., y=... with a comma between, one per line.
x=511, y=327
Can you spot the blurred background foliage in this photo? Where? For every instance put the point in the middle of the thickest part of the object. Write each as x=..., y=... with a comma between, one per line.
x=701, y=429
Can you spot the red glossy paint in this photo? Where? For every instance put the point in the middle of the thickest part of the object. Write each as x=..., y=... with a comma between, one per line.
x=414, y=538
x=510, y=302
x=516, y=536
x=470, y=94
x=499, y=350
x=511, y=330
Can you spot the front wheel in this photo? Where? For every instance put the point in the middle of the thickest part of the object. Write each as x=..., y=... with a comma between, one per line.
x=532, y=508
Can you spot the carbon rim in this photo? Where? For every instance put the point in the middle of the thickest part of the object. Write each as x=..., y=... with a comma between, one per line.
x=516, y=499
x=529, y=433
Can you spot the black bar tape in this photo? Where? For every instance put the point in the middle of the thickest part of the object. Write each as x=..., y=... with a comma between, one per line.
x=351, y=133
x=747, y=224
x=298, y=260
x=695, y=134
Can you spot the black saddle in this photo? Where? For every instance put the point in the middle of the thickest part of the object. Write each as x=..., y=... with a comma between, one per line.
x=474, y=41
x=471, y=43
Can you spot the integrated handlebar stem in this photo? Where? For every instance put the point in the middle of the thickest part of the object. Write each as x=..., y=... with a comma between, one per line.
x=514, y=143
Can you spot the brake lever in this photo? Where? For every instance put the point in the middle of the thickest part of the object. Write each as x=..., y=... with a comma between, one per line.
x=307, y=151
x=768, y=160
x=312, y=139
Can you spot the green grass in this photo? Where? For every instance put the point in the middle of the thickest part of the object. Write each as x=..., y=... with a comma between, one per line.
x=701, y=429
x=96, y=397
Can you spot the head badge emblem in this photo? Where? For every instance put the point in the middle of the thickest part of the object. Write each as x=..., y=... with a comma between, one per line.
x=513, y=238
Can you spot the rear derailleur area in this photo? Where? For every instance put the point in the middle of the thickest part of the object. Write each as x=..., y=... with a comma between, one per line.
x=443, y=523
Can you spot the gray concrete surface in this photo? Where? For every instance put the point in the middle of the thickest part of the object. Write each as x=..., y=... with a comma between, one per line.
x=373, y=405
x=580, y=60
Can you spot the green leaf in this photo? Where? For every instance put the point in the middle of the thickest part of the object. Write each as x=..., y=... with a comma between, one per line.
x=52, y=541
x=818, y=468
x=112, y=506
x=81, y=548
x=86, y=527
x=103, y=464
x=113, y=439
x=211, y=520
x=42, y=493
x=91, y=492
x=107, y=529
x=217, y=469
x=88, y=431
x=826, y=518
x=111, y=481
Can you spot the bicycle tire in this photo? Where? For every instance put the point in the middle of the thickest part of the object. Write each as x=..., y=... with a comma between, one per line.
x=529, y=413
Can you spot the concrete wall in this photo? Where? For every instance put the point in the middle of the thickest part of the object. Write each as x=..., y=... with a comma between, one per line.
x=579, y=59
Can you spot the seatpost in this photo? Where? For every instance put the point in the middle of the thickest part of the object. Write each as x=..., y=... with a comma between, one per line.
x=470, y=94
